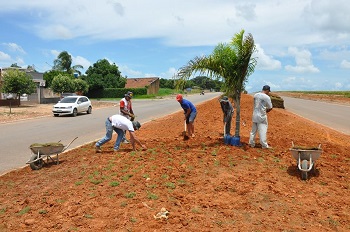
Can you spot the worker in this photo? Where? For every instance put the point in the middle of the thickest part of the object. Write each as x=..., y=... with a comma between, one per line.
x=119, y=124
x=190, y=113
x=228, y=110
x=262, y=105
x=125, y=109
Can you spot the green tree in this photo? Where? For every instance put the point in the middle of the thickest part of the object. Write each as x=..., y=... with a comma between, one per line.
x=18, y=82
x=15, y=65
x=166, y=83
x=81, y=86
x=50, y=75
x=62, y=83
x=232, y=62
x=103, y=75
x=63, y=62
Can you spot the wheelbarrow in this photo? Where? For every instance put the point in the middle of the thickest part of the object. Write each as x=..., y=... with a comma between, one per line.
x=306, y=158
x=46, y=150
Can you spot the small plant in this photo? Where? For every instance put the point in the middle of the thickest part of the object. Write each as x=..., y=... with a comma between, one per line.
x=196, y=210
x=96, y=182
x=214, y=152
x=170, y=185
x=165, y=176
x=216, y=163
x=78, y=183
x=123, y=204
x=88, y=216
x=133, y=220
x=42, y=211
x=130, y=195
x=114, y=183
x=152, y=196
x=24, y=210
x=127, y=177
x=145, y=175
x=3, y=210
x=260, y=160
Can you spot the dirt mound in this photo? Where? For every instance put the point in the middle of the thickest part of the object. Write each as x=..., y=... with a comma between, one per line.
x=196, y=185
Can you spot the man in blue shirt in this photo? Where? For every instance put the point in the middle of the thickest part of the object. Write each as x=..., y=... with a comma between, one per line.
x=190, y=112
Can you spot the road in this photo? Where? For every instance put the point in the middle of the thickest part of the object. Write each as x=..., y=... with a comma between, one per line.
x=332, y=115
x=16, y=137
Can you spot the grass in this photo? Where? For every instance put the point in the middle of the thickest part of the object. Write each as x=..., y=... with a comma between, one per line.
x=24, y=210
x=342, y=93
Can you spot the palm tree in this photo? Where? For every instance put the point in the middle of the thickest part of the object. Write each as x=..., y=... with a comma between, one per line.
x=232, y=62
x=64, y=63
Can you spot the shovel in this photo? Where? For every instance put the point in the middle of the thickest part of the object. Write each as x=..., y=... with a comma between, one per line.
x=224, y=129
x=185, y=132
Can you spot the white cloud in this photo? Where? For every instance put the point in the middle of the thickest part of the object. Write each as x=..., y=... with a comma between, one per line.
x=266, y=62
x=303, y=61
x=126, y=71
x=4, y=56
x=14, y=47
x=78, y=60
x=345, y=64
x=169, y=73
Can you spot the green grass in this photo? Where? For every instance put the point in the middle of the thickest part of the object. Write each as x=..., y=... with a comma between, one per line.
x=342, y=93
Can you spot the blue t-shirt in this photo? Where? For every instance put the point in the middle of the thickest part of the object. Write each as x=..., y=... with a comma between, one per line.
x=186, y=104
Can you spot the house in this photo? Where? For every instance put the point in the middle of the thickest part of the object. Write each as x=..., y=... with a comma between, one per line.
x=151, y=83
x=37, y=77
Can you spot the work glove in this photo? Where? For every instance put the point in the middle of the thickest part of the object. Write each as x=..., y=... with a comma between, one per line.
x=132, y=117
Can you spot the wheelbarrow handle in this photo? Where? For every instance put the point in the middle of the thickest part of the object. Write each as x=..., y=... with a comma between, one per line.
x=69, y=144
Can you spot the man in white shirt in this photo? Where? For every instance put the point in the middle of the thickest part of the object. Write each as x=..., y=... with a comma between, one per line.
x=262, y=105
x=119, y=124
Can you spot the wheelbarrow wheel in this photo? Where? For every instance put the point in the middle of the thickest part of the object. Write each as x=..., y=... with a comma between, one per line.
x=37, y=164
x=304, y=164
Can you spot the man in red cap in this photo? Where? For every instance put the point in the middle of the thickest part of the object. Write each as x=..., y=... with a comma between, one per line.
x=190, y=112
x=126, y=110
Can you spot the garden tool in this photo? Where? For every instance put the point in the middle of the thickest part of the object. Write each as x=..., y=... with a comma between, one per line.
x=185, y=132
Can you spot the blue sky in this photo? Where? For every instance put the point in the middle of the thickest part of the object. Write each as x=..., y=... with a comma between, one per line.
x=302, y=44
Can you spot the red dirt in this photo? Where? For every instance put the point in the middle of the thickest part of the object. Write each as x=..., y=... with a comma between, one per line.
x=203, y=183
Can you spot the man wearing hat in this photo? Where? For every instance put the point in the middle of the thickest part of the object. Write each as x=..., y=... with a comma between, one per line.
x=228, y=110
x=190, y=112
x=119, y=124
x=262, y=105
x=126, y=110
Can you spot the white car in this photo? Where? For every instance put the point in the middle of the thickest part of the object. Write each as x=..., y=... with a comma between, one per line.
x=72, y=105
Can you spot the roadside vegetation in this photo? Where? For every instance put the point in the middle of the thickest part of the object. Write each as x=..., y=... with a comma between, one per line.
x=340, y=93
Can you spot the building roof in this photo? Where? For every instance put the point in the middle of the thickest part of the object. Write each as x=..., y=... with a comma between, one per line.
x=140, y=82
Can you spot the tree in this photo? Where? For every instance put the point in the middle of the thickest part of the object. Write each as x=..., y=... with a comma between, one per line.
x=18, y=82
x=50, y=75
x=64, y=63
x=62, y=83
x=15, y=65
x=81, y=86
x=232, y=62
x=104, y=75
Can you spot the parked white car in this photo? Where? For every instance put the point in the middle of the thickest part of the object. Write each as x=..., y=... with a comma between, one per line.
x=72, y=105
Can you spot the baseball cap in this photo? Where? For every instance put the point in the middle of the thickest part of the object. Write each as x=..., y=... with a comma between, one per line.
x=266, y=87
x=136, y=125
x=129, y=94
x=179, y=97
x=224, y=99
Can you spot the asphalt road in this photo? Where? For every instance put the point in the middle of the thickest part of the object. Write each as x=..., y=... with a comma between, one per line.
x=16, y=137
x=332, y=115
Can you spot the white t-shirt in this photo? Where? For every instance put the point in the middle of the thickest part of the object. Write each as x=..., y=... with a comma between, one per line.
x=262, y=102
x=121, y=122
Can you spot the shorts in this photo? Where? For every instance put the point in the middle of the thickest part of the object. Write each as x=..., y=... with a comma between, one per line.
x=191, y=117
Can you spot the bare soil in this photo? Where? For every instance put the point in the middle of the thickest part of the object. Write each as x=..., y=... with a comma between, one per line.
x=204, y=184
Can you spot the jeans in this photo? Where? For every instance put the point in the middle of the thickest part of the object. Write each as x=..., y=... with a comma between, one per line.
x=262, y=129
x=109, y=133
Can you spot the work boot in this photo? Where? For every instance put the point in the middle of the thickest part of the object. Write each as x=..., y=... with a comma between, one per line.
x=98, y=149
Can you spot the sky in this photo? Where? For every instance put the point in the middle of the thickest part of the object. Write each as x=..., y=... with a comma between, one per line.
x=301, y=44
